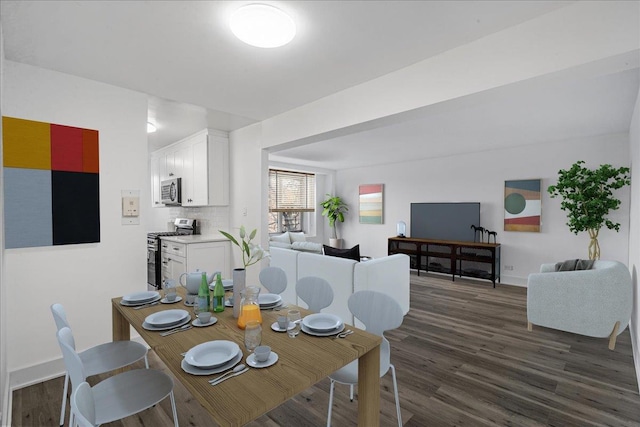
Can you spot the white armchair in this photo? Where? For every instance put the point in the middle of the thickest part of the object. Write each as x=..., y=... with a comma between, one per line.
x=596, y=302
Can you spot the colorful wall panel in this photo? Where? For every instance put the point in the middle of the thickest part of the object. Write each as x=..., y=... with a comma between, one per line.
x=51, y=184
x=371, y=203
x=522, y=205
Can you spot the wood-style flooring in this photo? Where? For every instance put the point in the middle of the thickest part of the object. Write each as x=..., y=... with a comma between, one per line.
x=463, y=357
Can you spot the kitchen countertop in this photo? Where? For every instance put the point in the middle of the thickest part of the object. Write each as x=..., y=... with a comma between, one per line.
x=197, y=238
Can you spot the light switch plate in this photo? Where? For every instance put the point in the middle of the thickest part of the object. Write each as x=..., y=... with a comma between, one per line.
x=130, y=207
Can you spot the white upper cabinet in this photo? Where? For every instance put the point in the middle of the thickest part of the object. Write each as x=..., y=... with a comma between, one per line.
x=202, y=161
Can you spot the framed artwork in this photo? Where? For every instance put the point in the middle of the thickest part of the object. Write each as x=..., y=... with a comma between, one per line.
x=522, y=205
x=371, y=203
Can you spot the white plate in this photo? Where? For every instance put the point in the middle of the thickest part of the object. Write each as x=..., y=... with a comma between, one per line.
x=140, y=296
x=198, y=371
x=322, y=334
x=270, y=307
x=269, y=299
x=149, y=327
x=166, y=301
x=227, y=284
x=189, y=304
x=321, y=322
x=212, y=353
x=251, y=360
x=135, y=304
x=166, y=317
x=197, y=323
x=277, y=328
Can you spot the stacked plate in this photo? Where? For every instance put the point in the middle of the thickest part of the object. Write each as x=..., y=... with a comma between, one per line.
x=140, y=298
x=322, y=324
x=211, y=357
x=227, y=284
x=165, y=320
x=268, y=301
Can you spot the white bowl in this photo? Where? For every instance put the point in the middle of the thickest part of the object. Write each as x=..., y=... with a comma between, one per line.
x=211, y=354
x=167, y=317
x=322, y=322
x=141, y=296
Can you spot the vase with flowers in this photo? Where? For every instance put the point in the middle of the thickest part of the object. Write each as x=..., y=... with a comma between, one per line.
x=251, y=254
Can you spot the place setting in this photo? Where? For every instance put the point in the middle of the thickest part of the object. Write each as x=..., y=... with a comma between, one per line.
x=269, y=301
x=212, y=357
x=204, y=319
x=322, y=325
x=167, y=320
x=139, y=299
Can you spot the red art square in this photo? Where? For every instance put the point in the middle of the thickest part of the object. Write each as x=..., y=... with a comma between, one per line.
x=90, y=157
x=66, y=148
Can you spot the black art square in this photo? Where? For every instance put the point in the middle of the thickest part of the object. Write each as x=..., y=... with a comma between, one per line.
x=75, y=207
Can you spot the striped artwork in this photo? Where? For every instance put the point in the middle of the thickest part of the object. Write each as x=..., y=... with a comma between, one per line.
x=371, y=203
x=522, y=205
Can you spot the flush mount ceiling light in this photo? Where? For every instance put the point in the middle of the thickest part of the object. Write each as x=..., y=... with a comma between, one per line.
x=151, y=127
x=262, y=25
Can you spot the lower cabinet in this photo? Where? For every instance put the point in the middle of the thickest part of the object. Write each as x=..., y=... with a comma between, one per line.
x=179, y=258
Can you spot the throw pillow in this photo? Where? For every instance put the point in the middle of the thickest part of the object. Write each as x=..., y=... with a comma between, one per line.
x=353, y=253
x=574, y=265
x=282, y=238
x=297, y=237
x=273, y=244
x=307, y=247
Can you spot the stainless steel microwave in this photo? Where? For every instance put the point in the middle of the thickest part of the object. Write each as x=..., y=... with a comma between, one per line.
x=171, y=191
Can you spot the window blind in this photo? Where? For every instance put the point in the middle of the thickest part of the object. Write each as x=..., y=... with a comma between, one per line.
x=291, y=191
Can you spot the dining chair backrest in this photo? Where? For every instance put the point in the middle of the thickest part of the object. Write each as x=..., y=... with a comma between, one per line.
x=72, y=361
x=315, y=292
x=83, y=406
x=274, y=279
x=379, y=312
x=60, y=316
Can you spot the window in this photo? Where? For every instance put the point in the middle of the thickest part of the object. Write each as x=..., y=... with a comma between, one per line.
x=291, y=195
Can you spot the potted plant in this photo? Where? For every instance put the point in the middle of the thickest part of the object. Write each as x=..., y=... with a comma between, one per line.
x=587, y=196
x=334, y=209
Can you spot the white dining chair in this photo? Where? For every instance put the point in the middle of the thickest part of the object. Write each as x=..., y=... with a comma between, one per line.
x=274, y=279
x=315, y=292
x=379, y=313
x=83, y=406
x=118, y=396
x=99, y=359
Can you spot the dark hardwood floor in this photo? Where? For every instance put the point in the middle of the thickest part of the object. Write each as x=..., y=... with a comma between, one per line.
x=463, y=358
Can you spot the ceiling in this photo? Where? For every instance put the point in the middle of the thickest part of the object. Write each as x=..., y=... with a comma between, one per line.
x=197, y=75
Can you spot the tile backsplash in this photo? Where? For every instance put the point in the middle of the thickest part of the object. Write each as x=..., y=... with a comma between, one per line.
x=209, y=219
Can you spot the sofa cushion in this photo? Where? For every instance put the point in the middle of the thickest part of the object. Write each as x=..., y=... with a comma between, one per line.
x=307, y=247
x=276, y=244
x=353, y=253
x=574, y=264
x=281, y=238
x=297, y=237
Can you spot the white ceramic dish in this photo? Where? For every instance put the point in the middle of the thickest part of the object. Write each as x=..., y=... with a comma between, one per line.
x=140, y=296
x=322, y=334
x=227, y=284
x=251, y=360
x=166, y=317
x=212, y=353
x=321, y=322
x=135, y=304
x=166, y=301
x=149, y=327
x=269, y=299
x=198, y=371
x=277, y=327
x=199, y=324
x=189, y=304
x=271, y=307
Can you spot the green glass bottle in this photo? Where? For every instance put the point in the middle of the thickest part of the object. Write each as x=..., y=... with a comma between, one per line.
x=218, y=295
x=204, y=300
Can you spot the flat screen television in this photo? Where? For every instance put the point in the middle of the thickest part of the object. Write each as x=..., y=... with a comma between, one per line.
x=445, y=221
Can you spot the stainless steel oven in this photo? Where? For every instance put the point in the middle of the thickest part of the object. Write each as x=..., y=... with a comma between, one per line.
x=154, y=256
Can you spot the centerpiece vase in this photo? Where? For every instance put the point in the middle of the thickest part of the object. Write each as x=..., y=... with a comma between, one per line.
x=239, y=279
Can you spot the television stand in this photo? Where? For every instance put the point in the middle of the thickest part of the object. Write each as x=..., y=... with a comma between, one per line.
x=450, y=257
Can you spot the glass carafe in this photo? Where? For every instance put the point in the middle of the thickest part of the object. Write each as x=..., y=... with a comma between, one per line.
x=249, y=306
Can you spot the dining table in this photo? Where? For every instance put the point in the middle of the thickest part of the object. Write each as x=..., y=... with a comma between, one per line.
x=302, y=362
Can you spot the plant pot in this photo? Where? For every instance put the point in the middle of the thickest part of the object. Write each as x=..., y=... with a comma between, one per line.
x=336, y=243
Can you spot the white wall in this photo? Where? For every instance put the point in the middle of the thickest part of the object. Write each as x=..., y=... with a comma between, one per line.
x=634, y=230
x=84, y=277
x=4, y=383
x=479, y=177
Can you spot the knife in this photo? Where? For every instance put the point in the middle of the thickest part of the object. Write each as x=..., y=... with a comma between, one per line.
x=230, y=376
x=146, y=305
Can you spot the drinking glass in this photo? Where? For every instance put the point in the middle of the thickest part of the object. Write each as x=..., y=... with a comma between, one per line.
x=170, y=292
x=252, y=335
x=295, y=319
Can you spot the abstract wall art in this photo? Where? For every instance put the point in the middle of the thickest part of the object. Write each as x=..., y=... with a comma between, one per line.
x=51, y=184
x=522, y=205
x=371, y=203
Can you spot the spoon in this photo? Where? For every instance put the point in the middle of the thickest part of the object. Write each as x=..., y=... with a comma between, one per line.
x=235, y=370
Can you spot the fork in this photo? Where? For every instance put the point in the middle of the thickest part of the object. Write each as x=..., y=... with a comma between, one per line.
x=146, y=305
x=173, y=331
x=344, y=334
x=229, y=376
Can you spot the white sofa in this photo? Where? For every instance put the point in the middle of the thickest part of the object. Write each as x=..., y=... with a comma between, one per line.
x=389, y=275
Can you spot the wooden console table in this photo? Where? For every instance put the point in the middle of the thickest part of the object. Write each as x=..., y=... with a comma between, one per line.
x=450, y=256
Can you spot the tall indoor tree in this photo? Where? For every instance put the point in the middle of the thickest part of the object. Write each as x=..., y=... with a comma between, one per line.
x=587, y=197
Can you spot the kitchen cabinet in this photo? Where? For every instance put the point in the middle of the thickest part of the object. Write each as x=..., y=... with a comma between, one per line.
x=182, y=255
x=202, y=161
x=154, y=168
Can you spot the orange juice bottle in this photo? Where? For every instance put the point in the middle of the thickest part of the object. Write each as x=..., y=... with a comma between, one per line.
x=249, y=306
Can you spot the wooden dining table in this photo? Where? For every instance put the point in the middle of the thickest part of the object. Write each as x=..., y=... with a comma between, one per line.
x=302, y=362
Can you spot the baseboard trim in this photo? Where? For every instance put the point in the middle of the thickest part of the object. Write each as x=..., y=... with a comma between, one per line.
x=6, y=403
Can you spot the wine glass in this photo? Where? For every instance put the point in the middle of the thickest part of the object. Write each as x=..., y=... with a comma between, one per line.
x=295, y=319
x=252, y=335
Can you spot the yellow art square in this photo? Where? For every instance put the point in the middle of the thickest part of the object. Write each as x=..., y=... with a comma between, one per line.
x=26, y=143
